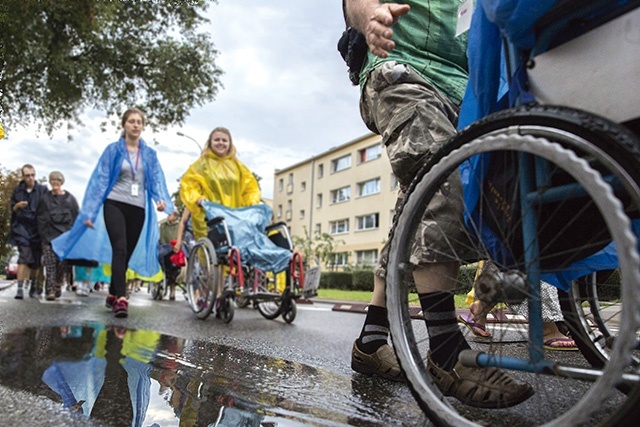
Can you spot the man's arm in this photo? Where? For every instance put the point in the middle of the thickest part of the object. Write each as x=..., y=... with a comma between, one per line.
x=374, y=20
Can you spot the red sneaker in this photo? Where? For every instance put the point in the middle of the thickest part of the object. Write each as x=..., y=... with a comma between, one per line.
x=111, y=300
x=121, y=307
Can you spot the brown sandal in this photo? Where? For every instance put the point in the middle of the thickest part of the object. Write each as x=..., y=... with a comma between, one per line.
x=479, y=387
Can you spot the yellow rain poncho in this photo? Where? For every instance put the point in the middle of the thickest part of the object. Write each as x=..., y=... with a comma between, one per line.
x=224, y=180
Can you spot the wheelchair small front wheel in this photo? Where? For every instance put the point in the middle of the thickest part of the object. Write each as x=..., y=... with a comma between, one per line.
x=226, y=309
x=290, y=312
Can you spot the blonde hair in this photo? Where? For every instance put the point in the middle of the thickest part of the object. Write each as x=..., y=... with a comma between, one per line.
x=56, y=175
x=224, y=130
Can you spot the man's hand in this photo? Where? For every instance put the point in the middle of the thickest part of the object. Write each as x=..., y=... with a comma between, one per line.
x=378, y=29
x=20, y=205
x=161, y=205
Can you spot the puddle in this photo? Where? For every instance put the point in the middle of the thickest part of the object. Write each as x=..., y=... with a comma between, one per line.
x=126, y=377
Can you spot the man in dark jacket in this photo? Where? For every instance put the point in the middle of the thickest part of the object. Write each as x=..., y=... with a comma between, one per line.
x=24, y=228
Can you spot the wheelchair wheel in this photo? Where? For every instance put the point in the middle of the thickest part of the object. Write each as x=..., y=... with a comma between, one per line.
x=226, y=309
x=589, y=307
x=270, y=308
x=289, y=313
x=202, y=278
x=610, y=213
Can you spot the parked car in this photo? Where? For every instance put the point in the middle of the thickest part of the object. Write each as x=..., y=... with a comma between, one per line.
x=12, y=268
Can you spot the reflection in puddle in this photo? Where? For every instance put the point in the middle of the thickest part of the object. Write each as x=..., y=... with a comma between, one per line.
x=127, y=377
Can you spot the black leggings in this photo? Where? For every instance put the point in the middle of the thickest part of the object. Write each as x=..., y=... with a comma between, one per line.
x=124, y=223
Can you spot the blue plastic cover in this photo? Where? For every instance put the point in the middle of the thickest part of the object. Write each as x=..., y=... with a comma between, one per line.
x=247, y=226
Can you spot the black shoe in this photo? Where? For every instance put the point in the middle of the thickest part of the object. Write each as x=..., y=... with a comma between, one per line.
x=58, y=293
x=19, y=294
x=32, y=291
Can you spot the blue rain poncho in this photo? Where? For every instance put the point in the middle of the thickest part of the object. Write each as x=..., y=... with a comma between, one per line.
x=82, y=242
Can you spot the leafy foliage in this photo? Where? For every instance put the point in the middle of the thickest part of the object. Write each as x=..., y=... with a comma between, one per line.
x=8, y=182
x=58, y=58
x=320, y=247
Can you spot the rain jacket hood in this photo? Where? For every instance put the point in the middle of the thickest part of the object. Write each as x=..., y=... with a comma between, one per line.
x=224, y=180
x=82, y=242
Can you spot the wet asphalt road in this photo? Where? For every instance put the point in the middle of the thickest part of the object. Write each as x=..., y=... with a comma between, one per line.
x=296, y=374
x=192, y=372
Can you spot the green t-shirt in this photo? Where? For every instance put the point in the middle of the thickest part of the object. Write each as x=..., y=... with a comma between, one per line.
x=168, y=231
x=425, y=40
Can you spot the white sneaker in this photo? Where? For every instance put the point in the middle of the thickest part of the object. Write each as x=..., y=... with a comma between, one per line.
x=82, y=290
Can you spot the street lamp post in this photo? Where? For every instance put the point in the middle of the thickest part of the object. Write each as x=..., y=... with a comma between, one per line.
x=187, y=136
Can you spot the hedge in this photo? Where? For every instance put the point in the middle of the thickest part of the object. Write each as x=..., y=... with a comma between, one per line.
x=362, y=280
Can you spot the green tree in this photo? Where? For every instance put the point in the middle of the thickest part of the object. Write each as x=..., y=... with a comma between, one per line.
x=59, y=58
x=319, y=248
x=8, y=182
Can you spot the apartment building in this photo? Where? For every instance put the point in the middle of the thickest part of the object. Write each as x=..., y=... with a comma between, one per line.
x=348, y=191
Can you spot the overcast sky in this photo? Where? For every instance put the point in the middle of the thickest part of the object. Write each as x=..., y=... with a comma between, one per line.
x=286, y=97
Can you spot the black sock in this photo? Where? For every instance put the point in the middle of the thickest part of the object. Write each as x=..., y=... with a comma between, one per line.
x=375, y=330
x=445, y=338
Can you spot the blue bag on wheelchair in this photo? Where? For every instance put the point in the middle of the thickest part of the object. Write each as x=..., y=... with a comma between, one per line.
x=244, y=228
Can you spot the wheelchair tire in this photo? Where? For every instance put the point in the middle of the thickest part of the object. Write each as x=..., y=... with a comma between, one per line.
x=270, y=309
x=289, y=313
x=410, y=339
x=226, y=310
x=202, y=278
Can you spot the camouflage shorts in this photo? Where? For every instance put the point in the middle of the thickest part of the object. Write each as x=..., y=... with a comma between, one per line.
x=414, y=119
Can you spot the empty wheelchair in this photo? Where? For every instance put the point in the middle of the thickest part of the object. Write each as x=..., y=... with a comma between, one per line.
x=548, y=191
x=240, y=259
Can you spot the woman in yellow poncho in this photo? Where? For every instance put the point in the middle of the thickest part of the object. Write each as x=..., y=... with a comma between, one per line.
x=217, y=176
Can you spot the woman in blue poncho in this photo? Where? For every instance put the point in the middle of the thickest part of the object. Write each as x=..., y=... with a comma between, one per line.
x=126, y=182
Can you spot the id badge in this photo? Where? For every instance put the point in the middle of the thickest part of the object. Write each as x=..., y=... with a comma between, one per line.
x=134, y=189
x=465, y=10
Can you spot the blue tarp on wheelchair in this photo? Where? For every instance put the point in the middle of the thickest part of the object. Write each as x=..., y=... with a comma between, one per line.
x=247, y=228
x=489, y=91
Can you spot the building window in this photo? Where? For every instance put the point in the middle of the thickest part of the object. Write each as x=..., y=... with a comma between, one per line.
x=288, y=213
x=368, y=222
x=279, y=211
x=303, y=185
x=395, y=184
x=318, y=230
x=301, y=213
x=319, y=200
x=369, y=187
x=366, y=257
x=370, y=153
x=339, y=227
x=341, y=163
x=341, y=194
x=340, y=259
x=290, y=184
x=280, y=184
x=320, y=170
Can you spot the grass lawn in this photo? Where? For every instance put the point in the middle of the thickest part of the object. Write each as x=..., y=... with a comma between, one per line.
x=365, y=296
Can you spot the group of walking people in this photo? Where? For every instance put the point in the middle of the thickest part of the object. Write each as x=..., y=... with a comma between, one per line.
x=117, y=222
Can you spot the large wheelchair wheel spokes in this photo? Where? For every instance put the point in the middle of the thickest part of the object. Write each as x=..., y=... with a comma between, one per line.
x=580, y=401
x=202, y=278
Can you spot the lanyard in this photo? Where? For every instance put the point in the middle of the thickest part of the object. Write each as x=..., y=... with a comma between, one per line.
x=134, y=170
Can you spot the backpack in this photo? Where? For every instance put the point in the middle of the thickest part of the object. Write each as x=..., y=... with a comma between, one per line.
x=353, y=49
